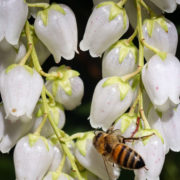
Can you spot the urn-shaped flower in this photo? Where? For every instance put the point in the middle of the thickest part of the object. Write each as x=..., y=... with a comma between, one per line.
x=56, y=28
x=20, y=88
x=111, y=98
x=106, y=25
x=12, y=20
x=161, y=34
x=32, y=157
x=161, y=81
x=68, y=88
x=120, y=59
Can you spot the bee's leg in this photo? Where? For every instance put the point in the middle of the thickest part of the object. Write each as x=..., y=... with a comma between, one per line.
x=136, y=138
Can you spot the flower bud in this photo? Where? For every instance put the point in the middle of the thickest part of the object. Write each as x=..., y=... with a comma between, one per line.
x=11, y=132
x=153, y=154
x=12, y=20
x=171, y=125
x=20, y=88
x=155, y=75
x=120, y=59
x=32, y=157
x=68, y=90
x=56, y=28
x=106, y=25
x=112, y=97
x=161, y=34
x=9, y=54
x=57, y=114
x=88, y=156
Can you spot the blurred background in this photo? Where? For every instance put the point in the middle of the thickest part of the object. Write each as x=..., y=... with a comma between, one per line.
x=90, y=72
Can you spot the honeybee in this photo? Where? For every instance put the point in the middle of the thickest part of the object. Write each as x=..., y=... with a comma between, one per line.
x=111, y=145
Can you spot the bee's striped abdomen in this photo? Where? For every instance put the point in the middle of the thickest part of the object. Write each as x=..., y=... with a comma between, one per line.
x=126, y=157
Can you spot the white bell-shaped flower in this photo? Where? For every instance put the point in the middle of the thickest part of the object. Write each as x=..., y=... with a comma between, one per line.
x=20, y=88
x=161, y=34
x=33, y=156
x=89, y=158
x=87, y=175
x=178, y=1
x=105, y=26
x=161, y=81
x=56, y=28
x=153, y=155
x=12, y=20
x=168, y=6
x=57, y=114
x=61, y=176
x=171, y=125
x=112, y=97
x=11, y=132
x=120, y=59
x=9, y=54
x=156, y=123
x=96, y=2
x=68, y=90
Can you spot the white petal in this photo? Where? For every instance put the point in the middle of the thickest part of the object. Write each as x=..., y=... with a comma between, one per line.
x=32, y=162
x=15, y=20
x=153, y=155
x=60, y=34
x=106, y=105
x=162, y=94
x=20, y=91
x=62, y=176
x=168, y=6
x=112, y=67
x=171, y=125
x=164, y=41
x=100, y=33
x=11, y=132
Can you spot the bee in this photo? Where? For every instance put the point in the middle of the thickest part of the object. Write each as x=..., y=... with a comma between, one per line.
x=111, y=145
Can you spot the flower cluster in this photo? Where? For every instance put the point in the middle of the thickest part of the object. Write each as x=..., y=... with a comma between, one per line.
x=137, y=99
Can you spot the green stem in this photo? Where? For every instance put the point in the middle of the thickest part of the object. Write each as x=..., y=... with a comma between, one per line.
x=148, y=9
x=25, y=58
x=60, y=168
x=39, y=5
x=51, y=98
x=121, y=3
x=77, y=135
x=133, y=107
x=131, y=38
x=131, y=75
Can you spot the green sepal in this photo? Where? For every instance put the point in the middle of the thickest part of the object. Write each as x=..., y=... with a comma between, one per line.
x=150, y=24
x=64, y=81
x=126, y=121
x=146, y=132
x=34, y=138
x=115, y=10
x=12, y=66
x=136, y=81
x=44, y=13
x=123, y=86
x=81, y=142
x=124, y=49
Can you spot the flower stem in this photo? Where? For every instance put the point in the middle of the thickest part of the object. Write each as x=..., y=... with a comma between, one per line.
x=131, y=75
x=121, y=3
x=131, y=38
x=148, y=9
x=39, y=5
x=131, y=111
x=60, y=168
x=25, y=58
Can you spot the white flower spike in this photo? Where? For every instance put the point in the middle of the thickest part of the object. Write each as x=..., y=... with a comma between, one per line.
x=111, y=98
x=163, y=91
x=20, y=88
x=12, y=20
x=120, y=59
x=32, y=157
x=56, y=28
x=161, y=34
x=11, y=132
x=67, y=90
x=106, y=25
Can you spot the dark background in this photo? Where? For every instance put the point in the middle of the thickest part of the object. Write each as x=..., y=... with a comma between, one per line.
x=90, y=72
